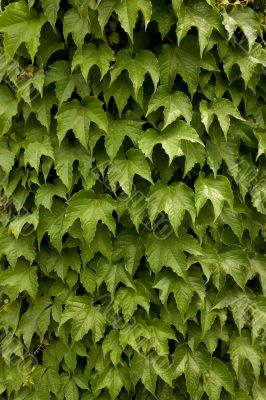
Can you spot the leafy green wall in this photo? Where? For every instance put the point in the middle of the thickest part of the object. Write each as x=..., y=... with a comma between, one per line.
x=133, y=200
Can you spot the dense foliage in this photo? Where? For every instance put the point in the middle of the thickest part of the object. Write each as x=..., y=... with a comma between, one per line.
x=133, y=203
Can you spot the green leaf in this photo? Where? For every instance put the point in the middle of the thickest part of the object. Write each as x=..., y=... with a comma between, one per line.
x=20, y=25
x=85, y=317
x=118, y=129
x=7, y=158
x=23, y=277
x=101, y=243
x=21, y=225
x=36, y=144
x=121, y=90
x=128, y=299
x=203, y=17
x=71, y=390
x=240, y=350
x=14, y=248
x=112, y=274
x=223, y=109
x=247, y=61
x=90, y=55
x=219, y=376
x=50, y=8
x=123, y=170
x=45, y=193
x=163, y=15
x=175, y=105
x=65, y=81
x=112, y=346
x=245, y=19
x=76, y=22
x=65, y=156
x=77, y=116
x=181, y=60
x=185, y=362
x=35, y=320
x=127, y=12
x=41, y=106
x=217, y=190
x=166, y=253
x=194, y=153
x=114, y=378
x=8, y=108
x=129, y=247
x=137, y=67
x=167, y=283
x=174, y=200
x=147, y=368
x=89, y=209
x=51, y=222
x=171, y=139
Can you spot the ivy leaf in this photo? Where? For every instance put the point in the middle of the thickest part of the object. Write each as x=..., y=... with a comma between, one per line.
x=181, y=60
x=51, y=222
x=102, y=243
x=123, y=169
x=65, y=81
x=77, y=22
x=245, y=19
x=166, y=253
x=85, y=317
x=21, y=225
x=121, y=90
x=35, y=319
x=219, y=376
x=240, y=350
x=65, y=156
x=14, y=248
x=128, y=299
x=71, y=390
x=175, y=105
x=112, y=274
x=45, y=193
x=203, y=17
x=7, y=158
x=167, y=283
x=118, y=129
x=147, y=368
x=174, y=200
x=78, y=116
x=41, y=106
x=127, y=12
x=20, y=25
x=185, y=362
x=114, y=378
x=8, y=108
x=112, y=346
x=129, y=247
x=164, y=16
x=217, y=190
x=22, y=278
x=222, y=108
x=247, y=61
x=90, y=55
x=90, y=208
x=171, y=139
x=50, y=8
x=36, y=144
x=230, y=260
x=194, y=153
x=137, y=67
